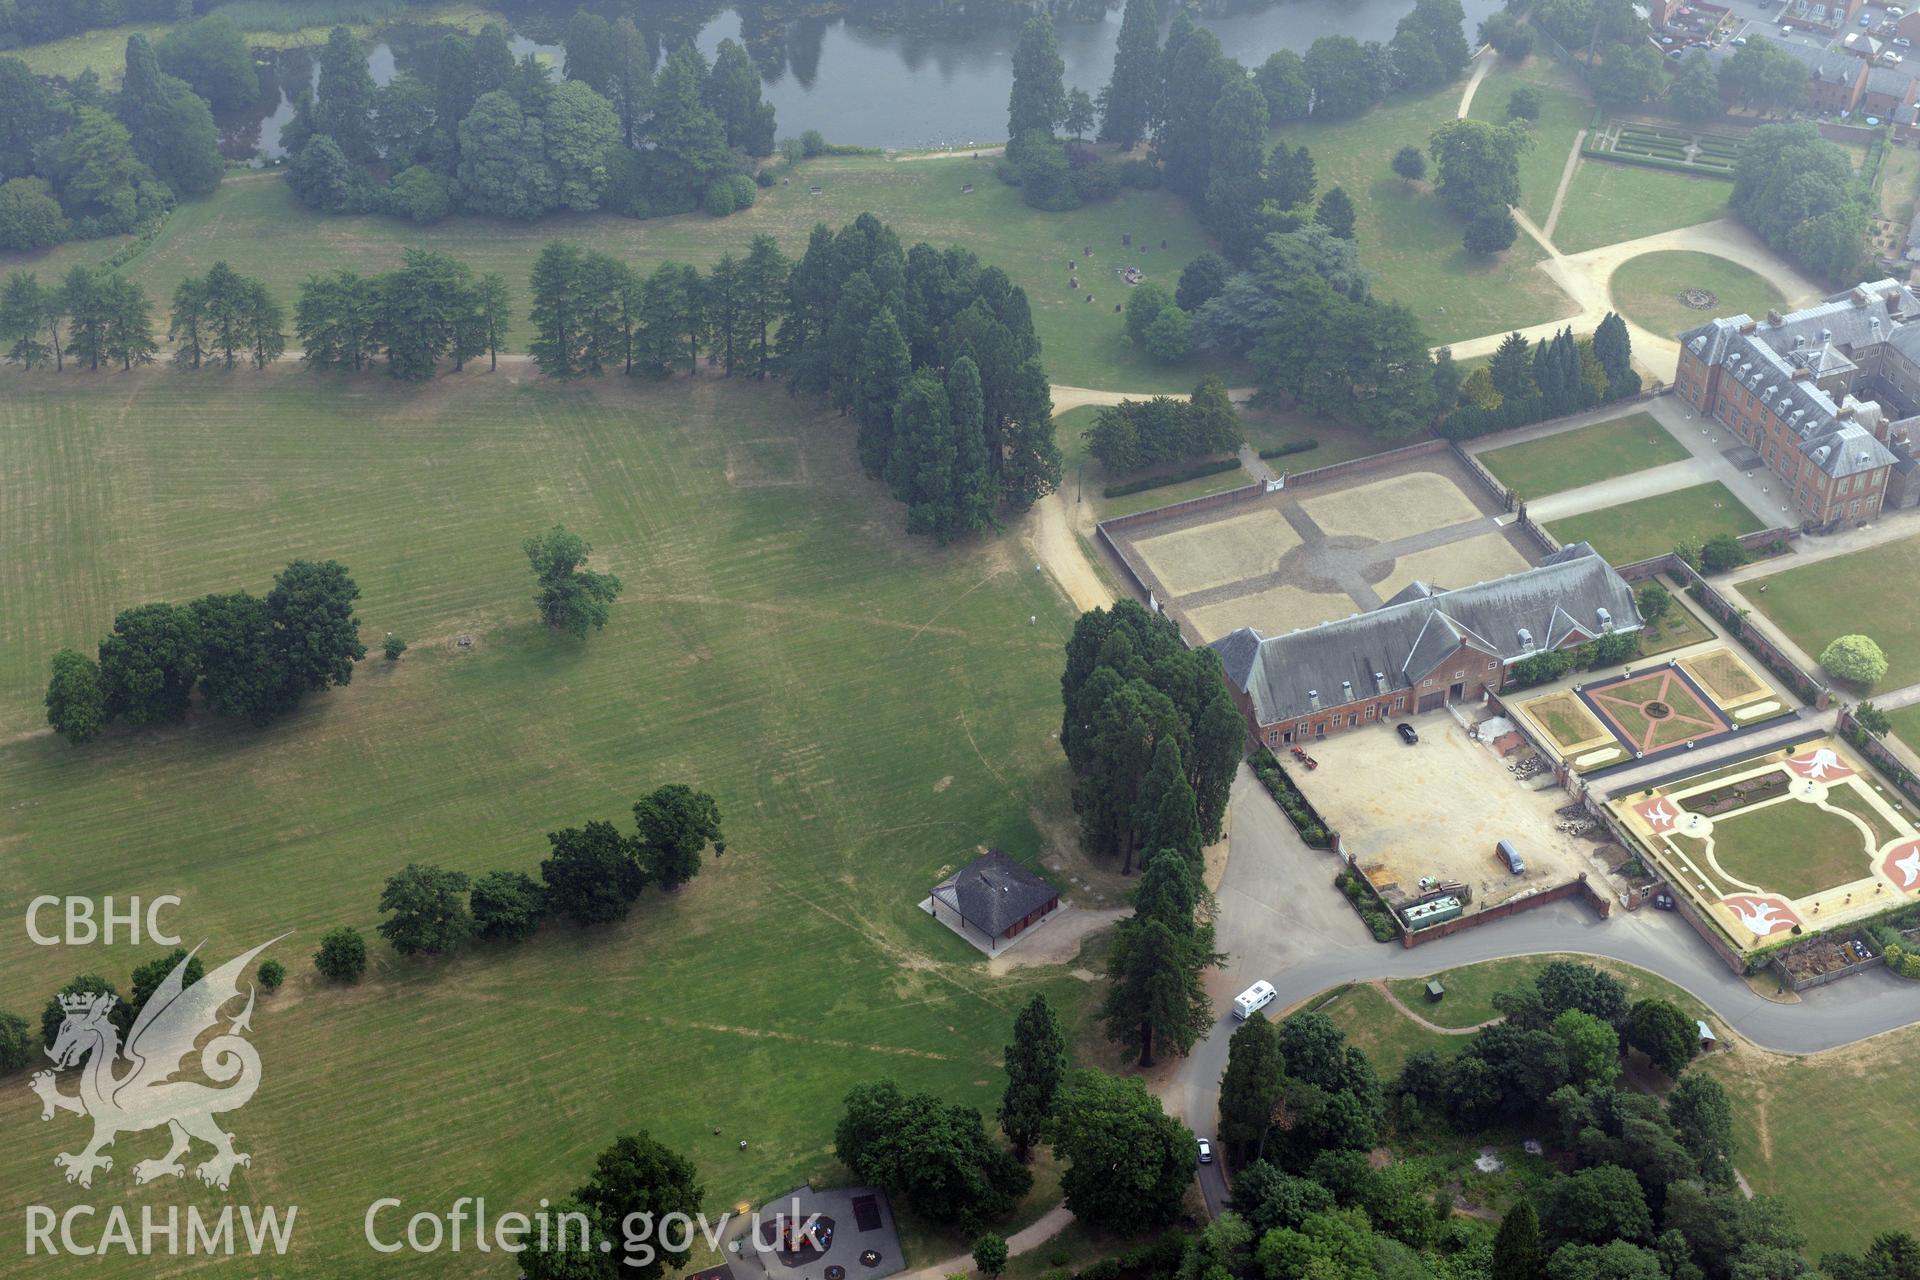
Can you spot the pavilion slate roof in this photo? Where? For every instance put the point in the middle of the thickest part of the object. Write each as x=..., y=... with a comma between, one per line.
x=994, y=892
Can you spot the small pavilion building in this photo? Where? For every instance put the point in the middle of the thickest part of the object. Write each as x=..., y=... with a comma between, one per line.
x=992, y=901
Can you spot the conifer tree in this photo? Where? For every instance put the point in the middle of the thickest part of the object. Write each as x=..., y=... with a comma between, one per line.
x=877, y=388
x=1131, y=98
x=1036, y=1065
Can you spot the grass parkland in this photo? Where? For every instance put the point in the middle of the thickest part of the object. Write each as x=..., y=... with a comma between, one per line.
x=867, y=711
x=750, y=544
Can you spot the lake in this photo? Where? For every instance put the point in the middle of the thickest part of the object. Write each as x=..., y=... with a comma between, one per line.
x=879, y=88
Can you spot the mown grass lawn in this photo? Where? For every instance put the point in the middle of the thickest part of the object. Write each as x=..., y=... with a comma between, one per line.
x=105, y=49
x=869, y=711
x=1865, y=591
x=256, y=226
x=1792, y=849
x=1829, y=1135
x=1608, y=202
x=1409, y=240
x=1564, y=111
x=1646, y=289
x=1569, y=459
x=1649, y=527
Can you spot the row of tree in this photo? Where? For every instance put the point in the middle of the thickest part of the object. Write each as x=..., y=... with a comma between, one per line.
x=433, y=308
x=250, y=658
x=80, y=162
x=1145, y=433
x=108, y=319
x=1530, y=382
x=1152, y=737
x=483, y=133
x=932, y=354
x=592, y=876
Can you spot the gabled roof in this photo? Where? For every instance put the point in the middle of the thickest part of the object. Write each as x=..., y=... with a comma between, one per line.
x=993, y=892
x=1405, y=640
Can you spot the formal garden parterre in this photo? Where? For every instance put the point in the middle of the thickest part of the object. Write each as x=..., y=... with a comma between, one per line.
x=1797, y=841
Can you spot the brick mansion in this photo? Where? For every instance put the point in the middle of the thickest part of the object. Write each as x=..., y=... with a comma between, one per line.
x=1828, y=396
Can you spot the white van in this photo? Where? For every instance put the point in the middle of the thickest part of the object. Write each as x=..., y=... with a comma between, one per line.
x=1254, y=998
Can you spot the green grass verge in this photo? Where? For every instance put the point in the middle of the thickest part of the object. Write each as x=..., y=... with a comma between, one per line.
x=1607, y=203
x=1570, y=459
x=1792, y=849
x=1804, y=1126
x=1382, y=1032
x=1410, y=241
x=1564, y=111
x=868, y=710
x=255, y=225
x=1676, y=629
x=1646, y=289
x=1653, y=526
x=1864, y=591
x=272, y=26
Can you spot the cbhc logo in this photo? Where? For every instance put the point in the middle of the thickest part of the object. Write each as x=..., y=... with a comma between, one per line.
x=84, y=925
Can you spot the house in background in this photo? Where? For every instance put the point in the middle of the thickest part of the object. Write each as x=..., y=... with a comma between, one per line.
x=992, y=901
x=1822, y=394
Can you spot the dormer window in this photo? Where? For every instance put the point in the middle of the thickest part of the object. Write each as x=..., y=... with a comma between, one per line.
x=1526, y=640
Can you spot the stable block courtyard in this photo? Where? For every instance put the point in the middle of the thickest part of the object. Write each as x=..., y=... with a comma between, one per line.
x=1309, y=553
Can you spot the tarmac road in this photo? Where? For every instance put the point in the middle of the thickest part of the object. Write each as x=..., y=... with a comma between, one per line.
x=1280, y=918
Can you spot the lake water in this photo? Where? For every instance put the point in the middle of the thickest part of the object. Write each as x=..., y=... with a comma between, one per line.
x=885, y=89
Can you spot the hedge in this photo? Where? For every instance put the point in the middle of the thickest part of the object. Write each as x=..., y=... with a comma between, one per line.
x=1281, y=451
x=1177, y=477
x=1299, y=810
x=1655, y=162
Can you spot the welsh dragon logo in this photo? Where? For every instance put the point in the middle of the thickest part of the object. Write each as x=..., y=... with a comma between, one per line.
x=134, y=1089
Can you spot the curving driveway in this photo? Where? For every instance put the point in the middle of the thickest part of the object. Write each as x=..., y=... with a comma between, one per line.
x=1586, y=278
x=1280, y=918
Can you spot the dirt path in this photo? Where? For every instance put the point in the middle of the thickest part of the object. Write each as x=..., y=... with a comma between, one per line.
x=1586, y=278
x=963, y=153
x=1379, y=984
x=1026, y=1240
x=1566, y=180
x=1481, y=65
x=1050, y=533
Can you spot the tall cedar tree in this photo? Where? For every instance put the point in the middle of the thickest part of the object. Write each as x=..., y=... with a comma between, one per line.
x=1131, y=99
x=1166, y=819
x=1250, y=1089
x=1036, y=1066
x=1157, y=995
x=1039, y=99
x=172, y=129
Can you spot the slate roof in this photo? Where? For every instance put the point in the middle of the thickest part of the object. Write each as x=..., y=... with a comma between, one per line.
x=994, y=893
x=1400, y=643
x=1832, y=338
x=1890, y=82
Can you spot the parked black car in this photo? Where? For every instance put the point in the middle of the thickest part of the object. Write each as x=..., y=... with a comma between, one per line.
x=1407, y=735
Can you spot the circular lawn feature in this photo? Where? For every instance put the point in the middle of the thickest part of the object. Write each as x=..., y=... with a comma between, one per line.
x=1648, y=290
x=1656, y=710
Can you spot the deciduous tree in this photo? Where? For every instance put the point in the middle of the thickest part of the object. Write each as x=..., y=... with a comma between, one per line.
x=572, y=598
x=426, y=910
